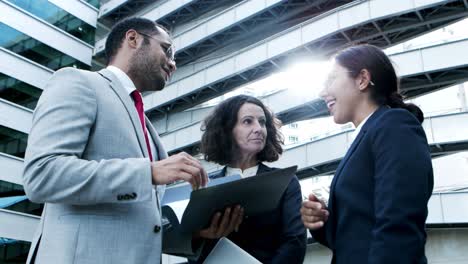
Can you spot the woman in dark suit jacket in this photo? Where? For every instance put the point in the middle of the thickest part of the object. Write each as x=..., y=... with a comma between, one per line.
x=378, y=197
x=241, y=133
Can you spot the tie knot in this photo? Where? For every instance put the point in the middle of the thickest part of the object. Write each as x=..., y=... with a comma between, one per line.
x=137, y=97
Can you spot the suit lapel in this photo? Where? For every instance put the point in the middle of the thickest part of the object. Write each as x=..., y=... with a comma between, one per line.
x=162, y=154
x=342, y=165
x=129, y=106
x=330, y=231
x=349, y=153
x=263, y=168
x=369, y=123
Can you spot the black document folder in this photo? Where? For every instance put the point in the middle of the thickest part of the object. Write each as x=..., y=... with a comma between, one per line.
x=257, y=194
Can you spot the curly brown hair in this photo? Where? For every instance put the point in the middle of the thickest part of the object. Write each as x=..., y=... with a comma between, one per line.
x=217, y=143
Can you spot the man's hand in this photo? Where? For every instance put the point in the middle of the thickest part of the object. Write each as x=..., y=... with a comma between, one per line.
x=221, y=227
x=178, y=167
x=314, y=213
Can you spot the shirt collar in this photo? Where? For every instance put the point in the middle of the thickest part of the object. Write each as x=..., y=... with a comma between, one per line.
x=252, y=171
x=123, y=78
x=358, y=128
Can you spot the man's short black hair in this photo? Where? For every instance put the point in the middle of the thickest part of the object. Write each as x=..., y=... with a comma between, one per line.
x=117, y=34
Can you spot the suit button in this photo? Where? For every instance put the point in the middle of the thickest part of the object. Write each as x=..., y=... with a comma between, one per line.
x=157, y=229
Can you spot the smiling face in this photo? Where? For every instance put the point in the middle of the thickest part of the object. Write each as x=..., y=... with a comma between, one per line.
x=250, y=131
x=150, y=64
x=342, y=94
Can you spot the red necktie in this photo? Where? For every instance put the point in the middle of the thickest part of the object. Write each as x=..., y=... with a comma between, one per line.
x=139, y=106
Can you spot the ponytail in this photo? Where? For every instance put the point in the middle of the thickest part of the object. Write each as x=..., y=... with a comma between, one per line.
x=396, y=101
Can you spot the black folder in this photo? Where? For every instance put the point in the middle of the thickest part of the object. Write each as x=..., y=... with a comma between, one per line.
x=257, y=194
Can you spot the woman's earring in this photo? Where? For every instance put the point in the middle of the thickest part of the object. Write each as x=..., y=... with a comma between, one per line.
x=371, y=83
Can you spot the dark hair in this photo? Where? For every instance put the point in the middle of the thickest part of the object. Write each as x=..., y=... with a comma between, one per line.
x=217, y=143
x=385, y=83
x=117, y=34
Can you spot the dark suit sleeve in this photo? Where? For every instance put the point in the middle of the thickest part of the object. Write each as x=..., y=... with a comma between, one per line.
x=403, y=185
x=320, y=235
x=293, y=233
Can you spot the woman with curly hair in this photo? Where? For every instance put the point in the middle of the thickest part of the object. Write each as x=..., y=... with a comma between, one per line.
x=241, y=133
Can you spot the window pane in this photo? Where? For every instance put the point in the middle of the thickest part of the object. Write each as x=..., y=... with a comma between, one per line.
x=35, y=50
x=94, y=3
x=13, y=198
x=58, y=17
x=13, y=251
x=18, y=92
x=13, y=142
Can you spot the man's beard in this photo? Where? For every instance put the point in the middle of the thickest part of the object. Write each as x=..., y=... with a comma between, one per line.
x=146, y=70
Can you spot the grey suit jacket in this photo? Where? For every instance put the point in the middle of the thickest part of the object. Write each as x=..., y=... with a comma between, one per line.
x=87, y=161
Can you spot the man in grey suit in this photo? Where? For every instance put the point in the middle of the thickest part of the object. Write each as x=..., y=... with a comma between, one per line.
x=96, y=161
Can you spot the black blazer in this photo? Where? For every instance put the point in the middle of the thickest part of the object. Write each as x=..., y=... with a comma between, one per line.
x=273, y=237
x=379, y=195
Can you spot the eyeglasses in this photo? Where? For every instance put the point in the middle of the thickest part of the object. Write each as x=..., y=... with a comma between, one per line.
x=332, y=78
x=168, y=50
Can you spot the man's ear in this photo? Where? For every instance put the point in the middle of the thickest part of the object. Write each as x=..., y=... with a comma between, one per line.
x=131, y=38
x=364, y=80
